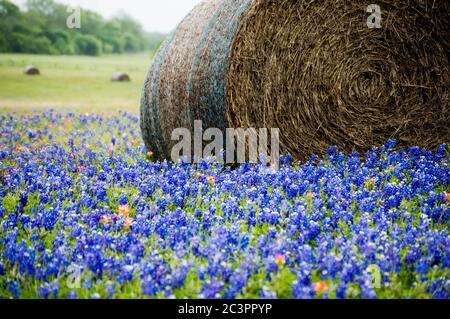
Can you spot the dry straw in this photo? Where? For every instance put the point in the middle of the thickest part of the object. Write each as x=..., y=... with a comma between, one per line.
x=31, y=70
x=120, y=77
x=311, y=68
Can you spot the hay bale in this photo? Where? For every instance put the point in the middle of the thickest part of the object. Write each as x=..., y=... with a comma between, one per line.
x=311, y=68
x=31, y=70
x=120, y=77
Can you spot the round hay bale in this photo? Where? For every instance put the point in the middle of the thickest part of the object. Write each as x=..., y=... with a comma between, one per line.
x=120, y=77
x=31, y=70
x=313, y=69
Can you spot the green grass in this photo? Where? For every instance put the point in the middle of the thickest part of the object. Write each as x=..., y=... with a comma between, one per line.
x=71, y=83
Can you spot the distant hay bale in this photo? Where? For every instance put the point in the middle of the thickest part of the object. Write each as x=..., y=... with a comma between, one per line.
x=313, y=69
x=120, y=77
x=31, y=70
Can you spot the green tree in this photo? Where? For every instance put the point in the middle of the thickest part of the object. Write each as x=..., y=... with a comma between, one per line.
x=109, y=35
x=61, y=41
x=42, y=29
x=132, y=43
x=4, y=45
x=88, y=45
x=9, y=15
x=31, y=44
x=43, y=7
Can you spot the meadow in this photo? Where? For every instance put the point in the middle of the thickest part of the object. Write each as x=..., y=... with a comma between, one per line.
x=71, y=83
x=84, y=213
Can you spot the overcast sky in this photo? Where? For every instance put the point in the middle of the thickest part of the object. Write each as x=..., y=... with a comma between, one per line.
x=155, y=15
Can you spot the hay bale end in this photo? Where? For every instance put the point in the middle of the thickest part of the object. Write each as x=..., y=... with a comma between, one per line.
x=120, y=77
x=31, y=70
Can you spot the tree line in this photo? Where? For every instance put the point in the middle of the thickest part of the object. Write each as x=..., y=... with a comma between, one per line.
x=41, y=28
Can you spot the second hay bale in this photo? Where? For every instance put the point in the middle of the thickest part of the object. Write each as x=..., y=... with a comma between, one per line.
x=31, y=70
x=120, y=77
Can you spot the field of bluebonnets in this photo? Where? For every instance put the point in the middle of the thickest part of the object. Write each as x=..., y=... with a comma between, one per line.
x=85, y=214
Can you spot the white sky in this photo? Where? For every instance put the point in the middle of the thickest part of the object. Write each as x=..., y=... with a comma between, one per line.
x=155, y=15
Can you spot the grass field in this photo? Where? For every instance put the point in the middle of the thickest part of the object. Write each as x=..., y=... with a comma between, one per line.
x=71, y=83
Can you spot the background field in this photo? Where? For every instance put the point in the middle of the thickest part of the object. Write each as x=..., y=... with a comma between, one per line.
x=71, y=83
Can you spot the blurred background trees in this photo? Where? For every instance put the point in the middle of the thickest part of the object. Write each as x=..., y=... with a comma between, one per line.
x=41, y=28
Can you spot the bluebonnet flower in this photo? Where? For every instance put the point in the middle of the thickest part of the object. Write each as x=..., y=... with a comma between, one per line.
x=413, y=254
x=87, y=284
x=391, y=144
x=13, y=287
x=438, y=289
x=332, y=150
x=123, y=200
x=2, y=269
x=23, y=199
x=212, y=288
x=267, y=293
x=300, y=291
x=48, y=290
x=49, y=219
x=72, y=295
x=365, y=284
x=237, y=281
x=149, y=287
x=423, y=266
x=110, y=289
x=341, y=291
x=126, y=273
